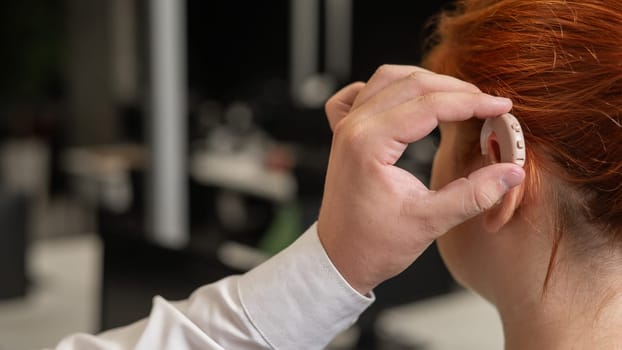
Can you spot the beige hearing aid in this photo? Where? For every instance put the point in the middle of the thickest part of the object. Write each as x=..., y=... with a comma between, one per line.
x=509, y=136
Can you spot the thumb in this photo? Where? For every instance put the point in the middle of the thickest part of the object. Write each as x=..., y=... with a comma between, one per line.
x=470, y=196
x=339, y=105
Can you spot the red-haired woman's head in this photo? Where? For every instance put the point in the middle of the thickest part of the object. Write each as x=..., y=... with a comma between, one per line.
x=560, y=61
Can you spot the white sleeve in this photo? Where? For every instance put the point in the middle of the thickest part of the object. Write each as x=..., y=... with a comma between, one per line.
x=295, y=300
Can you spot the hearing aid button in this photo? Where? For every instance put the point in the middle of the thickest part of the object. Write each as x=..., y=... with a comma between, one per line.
x=520, y=144
x=515, y=127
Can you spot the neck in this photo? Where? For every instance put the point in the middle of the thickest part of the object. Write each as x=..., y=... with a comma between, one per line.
x=574, y=313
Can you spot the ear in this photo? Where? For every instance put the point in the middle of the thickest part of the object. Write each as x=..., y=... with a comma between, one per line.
x=500, y=214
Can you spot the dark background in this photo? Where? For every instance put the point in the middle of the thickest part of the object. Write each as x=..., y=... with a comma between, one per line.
x=237, y=51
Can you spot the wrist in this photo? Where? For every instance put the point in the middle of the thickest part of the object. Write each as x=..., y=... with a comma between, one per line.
x=348, y=263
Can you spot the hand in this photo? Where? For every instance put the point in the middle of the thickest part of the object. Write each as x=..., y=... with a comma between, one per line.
x=376, y=218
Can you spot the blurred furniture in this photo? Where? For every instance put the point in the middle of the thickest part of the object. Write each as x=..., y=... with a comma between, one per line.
x=13, y=228
x=99, y=175
x=24, y=167
x=136, y=267
x=245, y=173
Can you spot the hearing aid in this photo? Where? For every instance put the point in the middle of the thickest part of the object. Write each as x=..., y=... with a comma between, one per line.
x=509, y=136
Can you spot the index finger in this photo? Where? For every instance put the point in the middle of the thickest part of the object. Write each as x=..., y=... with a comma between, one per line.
x=386, y=75
x=383, y=77
x=416, y=118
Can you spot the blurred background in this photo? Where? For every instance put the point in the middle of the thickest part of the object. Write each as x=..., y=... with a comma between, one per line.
x=148, y=147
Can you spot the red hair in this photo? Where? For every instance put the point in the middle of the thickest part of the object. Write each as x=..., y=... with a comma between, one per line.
x=560, y=61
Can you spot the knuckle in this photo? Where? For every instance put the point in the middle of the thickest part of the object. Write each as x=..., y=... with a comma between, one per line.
x=385, y=69
x=382, y=69
x=428, y=101
x=415, y=80
x=414, y=76
x=484, y=200
x=479, y=200
x=351, y=133
x=431, y=99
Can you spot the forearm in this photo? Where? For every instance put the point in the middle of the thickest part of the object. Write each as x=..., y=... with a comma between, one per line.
x=297, y=299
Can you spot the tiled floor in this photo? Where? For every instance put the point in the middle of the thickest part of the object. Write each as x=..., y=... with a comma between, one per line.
x=63, y=300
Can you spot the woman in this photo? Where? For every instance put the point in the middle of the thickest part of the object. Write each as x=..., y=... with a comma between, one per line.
x=549, y=255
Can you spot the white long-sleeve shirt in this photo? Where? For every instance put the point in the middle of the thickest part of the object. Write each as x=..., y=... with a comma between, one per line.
x=295, y=300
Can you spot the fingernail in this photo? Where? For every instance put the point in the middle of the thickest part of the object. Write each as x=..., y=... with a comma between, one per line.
x=503, y=101
x=513, y=177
